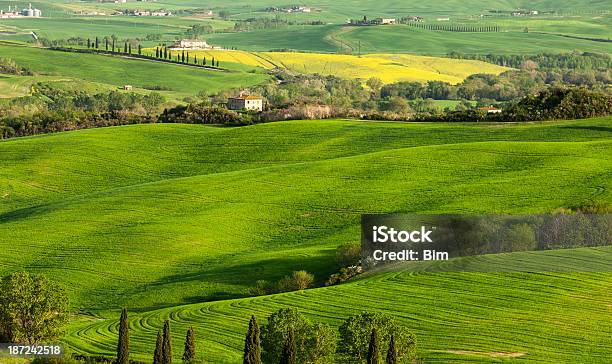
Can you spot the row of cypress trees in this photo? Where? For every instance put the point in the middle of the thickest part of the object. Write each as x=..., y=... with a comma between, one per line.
x=160, y=52
x=252, y=346
x=374, y=351
x=163, y=345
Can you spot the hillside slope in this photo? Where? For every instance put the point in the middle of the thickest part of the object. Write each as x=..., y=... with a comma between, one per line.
x=151, y=216
x=457, y=317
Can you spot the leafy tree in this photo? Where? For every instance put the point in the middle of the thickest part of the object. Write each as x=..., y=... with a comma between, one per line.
x=252, y=344
x=288, y=356
x=313, y=342
x=123, y=346
x=355, y=334
x=392, y=352
x=374, y=83
x=373, y=353
x=189, y=353
x=224, y=14
x=158, y=354
x=167, y=344
x=32, y=309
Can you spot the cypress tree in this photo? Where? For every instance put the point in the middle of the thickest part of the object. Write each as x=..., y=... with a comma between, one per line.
x=392, y=352
x=157, y=355
x=195, y=59
x=217, y=63
x=183, y=57
x=88, y=43
x=213, y=61
x=166, y=344
x=288, y=354
x=97, y=43
x=123, y=346
x=125, y=48
x=139, y=49
x=165, y=53
x=373, y=354
x=189, y=353
x=204, y=60
x=187, y=57
x=106, y=42
x=130, y=48
x=113, y=45
x=252, y=344
x=156, y=52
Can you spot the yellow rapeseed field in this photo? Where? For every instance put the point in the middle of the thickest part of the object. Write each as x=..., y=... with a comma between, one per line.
x=387, y=67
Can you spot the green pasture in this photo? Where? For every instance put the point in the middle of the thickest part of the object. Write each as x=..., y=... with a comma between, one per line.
x=457, y=317
x=159, y=215
x=183, y=81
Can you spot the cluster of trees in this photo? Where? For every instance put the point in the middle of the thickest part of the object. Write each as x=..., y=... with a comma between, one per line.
x=197, y=30
x=270, y=23
x=10, y=67
x=49, y=110
x=205, y=113
x=297, y=281
x=455, y=27
x=289, y=337
x=575, y=60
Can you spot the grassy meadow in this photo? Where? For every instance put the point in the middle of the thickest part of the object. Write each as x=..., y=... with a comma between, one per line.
x=457, y=317
x=171, y=206
x=181, y=81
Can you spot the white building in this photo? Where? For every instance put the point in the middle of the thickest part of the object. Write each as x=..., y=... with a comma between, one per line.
x=190, y=44
x=385, y=21
x=245, y=102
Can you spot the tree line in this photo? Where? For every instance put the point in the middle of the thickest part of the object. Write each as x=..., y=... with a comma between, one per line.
x=288, y=337
x=574, y=60
x=110, y=45
x=455, y=28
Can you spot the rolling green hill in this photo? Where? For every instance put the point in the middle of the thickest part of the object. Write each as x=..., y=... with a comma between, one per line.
x=115, y=72
x=158, y=215
x=457, y=317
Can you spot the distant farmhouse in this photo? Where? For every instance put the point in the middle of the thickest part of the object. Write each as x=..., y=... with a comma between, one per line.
x=491, y=110
x=149, y=13
x=25, y=13
x=245, y=102
x=289, y=9
x=190, y=44
x=377, y=21
x=525, y=12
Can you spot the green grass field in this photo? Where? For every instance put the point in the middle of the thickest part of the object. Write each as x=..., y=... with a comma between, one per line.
x=115, y=72
x=457, y=317
x=159, y=216
x=172, y=207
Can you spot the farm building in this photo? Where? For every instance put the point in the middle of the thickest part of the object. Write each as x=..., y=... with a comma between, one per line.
x=491, y=110
x=245, y=102
x=191, y=44
x=385, y=21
